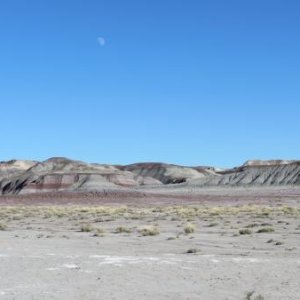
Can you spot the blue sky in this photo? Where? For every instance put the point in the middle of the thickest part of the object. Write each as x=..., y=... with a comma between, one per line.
x=188, y=82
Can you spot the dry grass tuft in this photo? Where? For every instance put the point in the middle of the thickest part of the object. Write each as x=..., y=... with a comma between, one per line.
x=245, y=231
x=2, y=226
x=176, y=212
x=265, y=230
x=148, y=230
x=189, y=228
x=122, y=229
x=99, y=232
x=86, y=228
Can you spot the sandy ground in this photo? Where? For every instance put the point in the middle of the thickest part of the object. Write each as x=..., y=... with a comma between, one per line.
x=72, y=252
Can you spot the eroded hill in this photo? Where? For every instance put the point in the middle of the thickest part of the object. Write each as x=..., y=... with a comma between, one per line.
x=57, y=174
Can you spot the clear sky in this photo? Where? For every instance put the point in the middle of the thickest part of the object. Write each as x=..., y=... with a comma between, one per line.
x=119, y=81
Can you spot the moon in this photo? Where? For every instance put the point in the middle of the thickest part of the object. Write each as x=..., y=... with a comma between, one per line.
x=101, y=41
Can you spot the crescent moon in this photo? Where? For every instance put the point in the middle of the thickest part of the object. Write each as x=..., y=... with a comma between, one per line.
x=101, y=41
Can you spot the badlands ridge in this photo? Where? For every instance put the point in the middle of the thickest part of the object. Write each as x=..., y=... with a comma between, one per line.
x=20, y=177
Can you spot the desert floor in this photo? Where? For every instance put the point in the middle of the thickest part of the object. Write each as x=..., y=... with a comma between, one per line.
x=204, y=250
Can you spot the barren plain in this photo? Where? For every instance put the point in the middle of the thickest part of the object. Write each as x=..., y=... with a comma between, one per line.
x=201, y=247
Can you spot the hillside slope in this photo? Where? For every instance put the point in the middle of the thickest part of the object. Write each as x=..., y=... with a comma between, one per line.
x=66, y=175
x=255, y=174
x=62, y=174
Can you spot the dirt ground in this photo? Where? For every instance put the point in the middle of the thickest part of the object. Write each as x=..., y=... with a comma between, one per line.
x=181, y=250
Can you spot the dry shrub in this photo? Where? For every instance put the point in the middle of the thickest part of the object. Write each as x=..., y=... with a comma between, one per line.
x=148, y=230
x=189, y=228
x=86, y=228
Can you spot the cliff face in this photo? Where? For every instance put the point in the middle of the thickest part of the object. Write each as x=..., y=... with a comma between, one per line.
x=62, y=174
